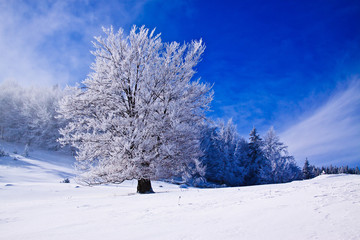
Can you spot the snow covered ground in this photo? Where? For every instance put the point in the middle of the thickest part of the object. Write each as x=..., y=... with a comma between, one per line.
x=35, y=205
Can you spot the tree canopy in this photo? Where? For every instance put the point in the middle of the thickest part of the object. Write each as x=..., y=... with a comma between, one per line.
x=138, y=113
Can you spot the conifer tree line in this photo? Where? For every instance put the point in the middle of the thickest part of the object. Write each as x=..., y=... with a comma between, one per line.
x=311, y=171
x=232, y=160
x=141, y=115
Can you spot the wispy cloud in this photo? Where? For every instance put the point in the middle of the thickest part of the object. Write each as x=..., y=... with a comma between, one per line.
x=331, y=135
x=44, y=42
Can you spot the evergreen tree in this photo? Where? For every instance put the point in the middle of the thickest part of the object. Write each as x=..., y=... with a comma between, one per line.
x=258, y=169
x=211, y=159
x=229, y=139
x=306, y=171
x=222, y=157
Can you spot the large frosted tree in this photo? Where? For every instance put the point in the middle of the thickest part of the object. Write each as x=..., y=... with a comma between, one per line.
x=138, y=113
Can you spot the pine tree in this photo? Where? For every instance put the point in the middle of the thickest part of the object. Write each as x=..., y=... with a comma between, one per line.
x=139, y=112
x=258, y=169
x=306, y=170
x=212, y=158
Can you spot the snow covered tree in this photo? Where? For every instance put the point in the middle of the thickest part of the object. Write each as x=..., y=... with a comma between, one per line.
x=2, y=152
x=231, y=160
x=26, y=150
x=222, y=147
x=27, y=114
x=307, y=170
x=211, y=158
x=283, y=166
x=229, y=148
x=40, y=112
x=258, y=168
x=138, y=113
x=12, y=125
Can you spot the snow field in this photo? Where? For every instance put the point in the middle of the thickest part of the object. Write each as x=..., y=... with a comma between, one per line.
x=35, y=205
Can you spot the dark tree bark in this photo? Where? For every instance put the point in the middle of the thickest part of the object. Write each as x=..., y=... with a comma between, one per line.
x=144, y=186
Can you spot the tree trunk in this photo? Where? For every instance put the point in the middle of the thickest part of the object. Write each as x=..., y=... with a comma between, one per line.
x=144, y=186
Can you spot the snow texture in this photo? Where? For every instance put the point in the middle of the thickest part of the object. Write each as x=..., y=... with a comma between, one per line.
x=35, y=205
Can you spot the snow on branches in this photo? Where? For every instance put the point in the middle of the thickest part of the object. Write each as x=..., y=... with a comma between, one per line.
x=27, y=114
x=138, y=113
x=233, y=161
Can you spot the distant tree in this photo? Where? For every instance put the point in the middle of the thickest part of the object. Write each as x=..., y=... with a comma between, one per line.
x=12, y=122
x=306, y=171
x=43, y=125
x=229, y=159
x=283, y=166
x=27, y=114
x=333, y=170
x=138, y=114
x=316, y=171
x=26, y=150
x=2, y=152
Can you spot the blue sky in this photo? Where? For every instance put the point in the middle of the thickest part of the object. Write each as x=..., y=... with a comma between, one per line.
x=293, y=65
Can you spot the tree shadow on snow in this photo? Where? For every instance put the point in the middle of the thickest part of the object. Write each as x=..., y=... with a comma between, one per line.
x=14, y=162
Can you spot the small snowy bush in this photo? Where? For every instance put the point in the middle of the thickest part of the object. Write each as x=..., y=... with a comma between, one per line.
x=2, y=152
x=66, y=180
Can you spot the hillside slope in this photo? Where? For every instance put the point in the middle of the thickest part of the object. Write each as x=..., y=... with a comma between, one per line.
x=35, y=205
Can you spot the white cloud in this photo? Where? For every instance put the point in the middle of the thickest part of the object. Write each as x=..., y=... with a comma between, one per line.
x=331, y=135
x=23, y=30
x=44, y=42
